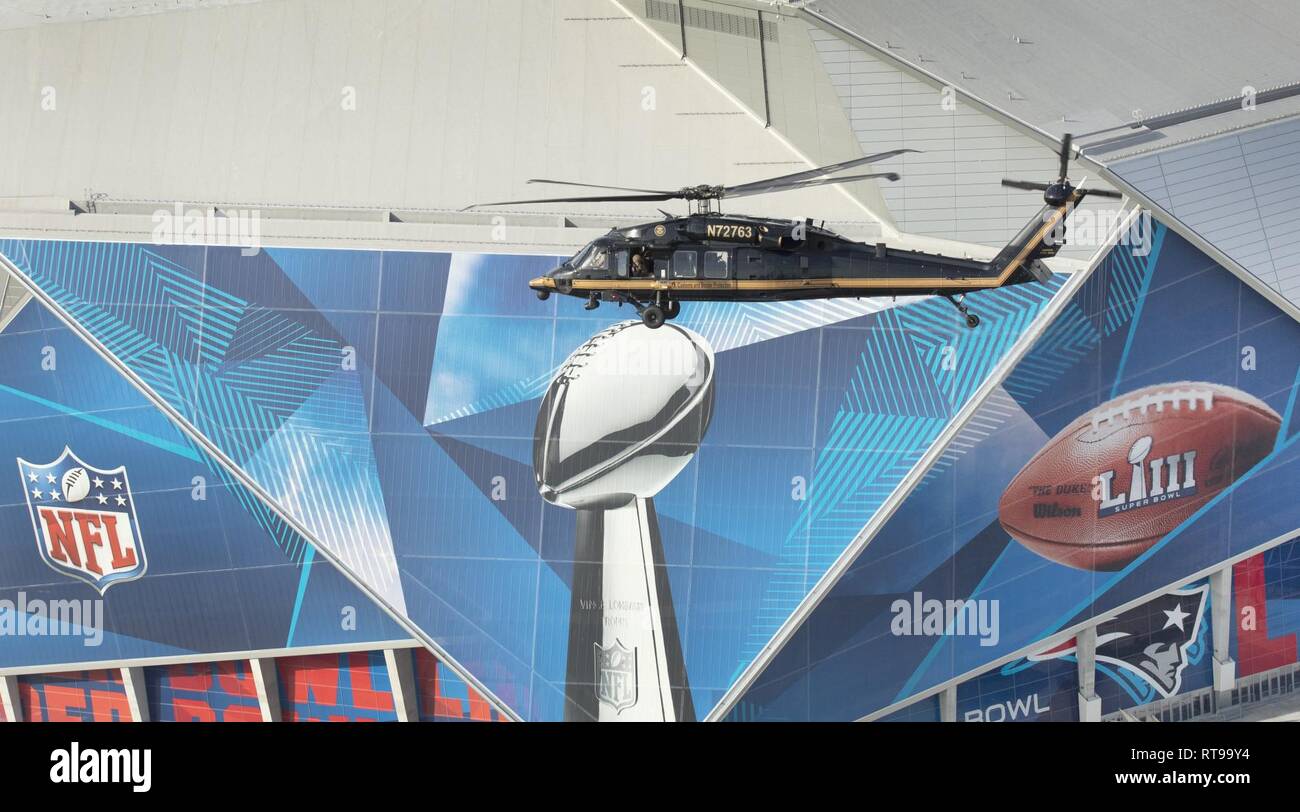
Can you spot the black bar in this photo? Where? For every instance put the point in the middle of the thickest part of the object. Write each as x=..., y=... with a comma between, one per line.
x=762, y=55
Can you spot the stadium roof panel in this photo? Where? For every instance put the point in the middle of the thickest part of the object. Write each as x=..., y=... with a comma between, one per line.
x=1234, y=190
x=1134, y=60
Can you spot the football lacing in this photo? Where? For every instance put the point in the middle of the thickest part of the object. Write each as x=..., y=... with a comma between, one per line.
x=577, y=359
x=1175, y=398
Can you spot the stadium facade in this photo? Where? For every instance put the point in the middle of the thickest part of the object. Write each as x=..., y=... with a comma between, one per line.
x=272, y=398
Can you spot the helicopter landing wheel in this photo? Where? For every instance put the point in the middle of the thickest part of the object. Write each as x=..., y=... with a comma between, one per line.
x=673, y=310
x=653, y=317
x=959, y=302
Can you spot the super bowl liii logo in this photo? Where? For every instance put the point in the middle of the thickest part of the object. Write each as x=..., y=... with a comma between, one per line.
x=84, y=520
x=1172, y=477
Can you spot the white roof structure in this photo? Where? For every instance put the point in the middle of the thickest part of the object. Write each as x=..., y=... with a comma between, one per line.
x=345, y=125
x=1236, y=191
x=1086, y=66
x=1224, y=170
x=32, y=13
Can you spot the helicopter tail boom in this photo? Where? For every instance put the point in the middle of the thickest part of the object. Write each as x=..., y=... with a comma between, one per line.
x=1020, y=260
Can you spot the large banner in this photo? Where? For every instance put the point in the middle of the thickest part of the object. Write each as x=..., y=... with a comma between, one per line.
x=388, y=403
x=492, y=466
x=1147, y=436
x=122, y=540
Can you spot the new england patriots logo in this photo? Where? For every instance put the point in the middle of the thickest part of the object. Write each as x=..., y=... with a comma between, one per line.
x=1150, y=645
x=84, y=520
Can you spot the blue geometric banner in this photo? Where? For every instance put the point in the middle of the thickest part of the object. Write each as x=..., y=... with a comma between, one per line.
x=1148, y=435
x=387, y=403
x=133, y=543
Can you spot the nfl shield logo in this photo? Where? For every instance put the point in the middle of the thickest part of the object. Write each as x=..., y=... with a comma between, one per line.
x=84, y=518
x=616, y=675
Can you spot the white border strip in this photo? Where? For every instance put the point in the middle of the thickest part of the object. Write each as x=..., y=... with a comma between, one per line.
x=913, y=478
x=216, y=453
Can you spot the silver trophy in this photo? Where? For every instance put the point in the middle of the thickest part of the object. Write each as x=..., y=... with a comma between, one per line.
x=624, y=415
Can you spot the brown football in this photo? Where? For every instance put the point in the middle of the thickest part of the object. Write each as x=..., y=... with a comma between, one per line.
x=1121, y=476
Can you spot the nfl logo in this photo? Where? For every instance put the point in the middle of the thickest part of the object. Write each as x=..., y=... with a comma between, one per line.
x=616, y=675
x=84, y=518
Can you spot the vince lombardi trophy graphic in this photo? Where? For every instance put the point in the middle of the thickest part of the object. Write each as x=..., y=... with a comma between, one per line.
x=625, y=414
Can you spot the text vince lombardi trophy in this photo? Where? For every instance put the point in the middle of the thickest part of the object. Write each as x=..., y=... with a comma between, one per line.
x=624, y=415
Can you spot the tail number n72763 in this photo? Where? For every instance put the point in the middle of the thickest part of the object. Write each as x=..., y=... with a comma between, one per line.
x=729, y=231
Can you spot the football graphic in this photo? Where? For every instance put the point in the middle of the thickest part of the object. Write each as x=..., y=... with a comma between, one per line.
x=76, y=485
x=1120, y=477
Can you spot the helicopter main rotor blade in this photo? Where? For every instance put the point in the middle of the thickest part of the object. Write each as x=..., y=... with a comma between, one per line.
x=1025, y=184
x=1101, y=193
x=1065, y=155
x=803, y=184
x=772, y=184
x=655, y=198
x=598, y=186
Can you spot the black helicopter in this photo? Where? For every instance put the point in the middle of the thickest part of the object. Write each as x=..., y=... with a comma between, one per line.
x=710, y=256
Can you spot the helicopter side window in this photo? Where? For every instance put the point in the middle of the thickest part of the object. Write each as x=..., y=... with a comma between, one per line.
x=684, y=263
x=716, y=264
x=620, y=264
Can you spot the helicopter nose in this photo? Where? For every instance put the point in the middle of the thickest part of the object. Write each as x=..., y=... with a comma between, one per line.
x=542, y=286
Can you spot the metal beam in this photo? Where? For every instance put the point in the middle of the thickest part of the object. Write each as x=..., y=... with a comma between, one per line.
x=1225, y=668
x=1086, y=654
x=401, y=677
x=948, y=704
x=137, y=694
x=267, y=680
x=9, y=698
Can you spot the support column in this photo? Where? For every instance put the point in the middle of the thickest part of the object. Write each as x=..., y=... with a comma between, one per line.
x=1086, y=653
x=401, y=676
x=267, y=681
x=1225, y=668
x=948, y=704
x=9, y=698
x=137, y=695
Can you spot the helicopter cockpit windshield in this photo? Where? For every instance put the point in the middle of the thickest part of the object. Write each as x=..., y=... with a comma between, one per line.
x=592, y=258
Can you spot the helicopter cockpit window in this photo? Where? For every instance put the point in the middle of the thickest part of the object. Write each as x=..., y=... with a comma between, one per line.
x=620, y=264
x=577, y=259
x=684, y=264
x=597, y=260
x=716, y=264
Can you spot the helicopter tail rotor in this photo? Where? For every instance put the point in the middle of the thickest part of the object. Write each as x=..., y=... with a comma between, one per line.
x=1060, y=191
